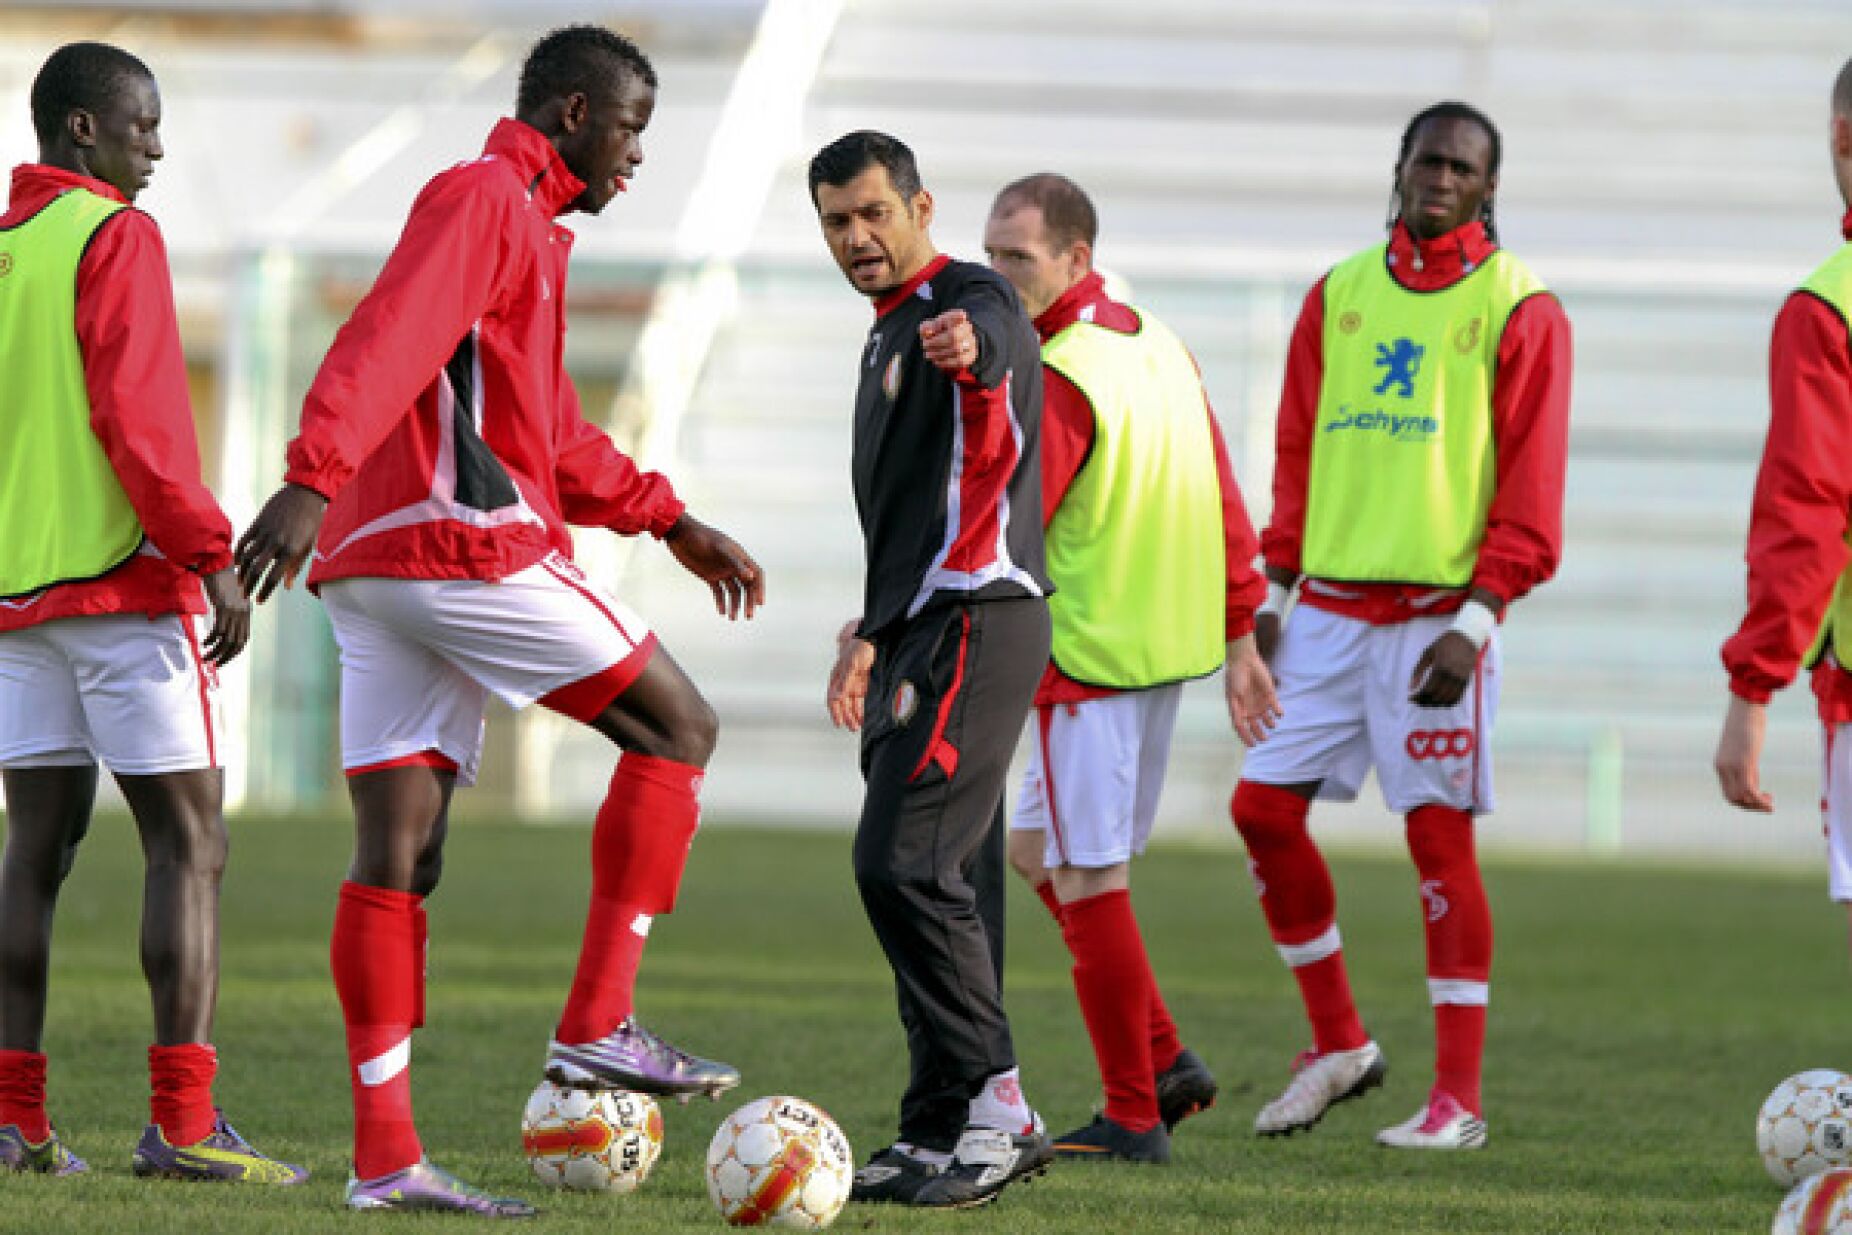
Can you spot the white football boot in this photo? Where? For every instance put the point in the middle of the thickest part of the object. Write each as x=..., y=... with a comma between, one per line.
x=1319, y=1081
x=1442, y=1124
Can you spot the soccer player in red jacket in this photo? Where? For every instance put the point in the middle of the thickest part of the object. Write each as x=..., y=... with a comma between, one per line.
x=441, y=458
x=1417, y=492
x=1800, y=601
x=109, y=533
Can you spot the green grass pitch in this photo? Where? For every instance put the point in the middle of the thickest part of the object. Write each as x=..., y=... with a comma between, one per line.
x=1639, y=1016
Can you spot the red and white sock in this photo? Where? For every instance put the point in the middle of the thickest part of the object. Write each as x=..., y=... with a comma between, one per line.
x=1458, y=923
x=1300, y=905
x=639, y=848
x=1112, y=977
x=180, y=1091
x=22, y=1094
x=377, y=962
x=1000, y=1104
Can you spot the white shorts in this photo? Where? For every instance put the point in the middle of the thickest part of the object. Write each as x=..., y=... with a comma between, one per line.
x=126, y=689
x=1836, y=809
x=1343, y=687
x=419, y=657
x=1095, y=772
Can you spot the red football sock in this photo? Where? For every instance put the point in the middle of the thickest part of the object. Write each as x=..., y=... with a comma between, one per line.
x=639, y=847
x=22, y=1094
x=421, y=960
x=1301, y=908
x=377, y=979
x=180, y=1091
x=1458, y=923
x=1046, y=891
x=1112, y=977
x=1165, y=1044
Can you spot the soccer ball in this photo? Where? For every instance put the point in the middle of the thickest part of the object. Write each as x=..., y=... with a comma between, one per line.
x=1819, y=1205
x=1805, y=1127
x=779, y=1162
x=591, y=1142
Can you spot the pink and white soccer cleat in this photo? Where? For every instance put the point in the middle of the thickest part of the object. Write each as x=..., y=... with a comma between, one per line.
x=1319, y=1082
x=1442, y=1124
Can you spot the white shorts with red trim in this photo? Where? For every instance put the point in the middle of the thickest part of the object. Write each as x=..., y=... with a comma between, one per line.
x=1096, y=770
x=1836, y=809
x=420, y=657
x=124, y=689
x=1344, y=687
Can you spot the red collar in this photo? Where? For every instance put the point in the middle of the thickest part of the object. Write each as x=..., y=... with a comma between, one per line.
x=1069, y=305
x=1845, y=225
x=551, y=185
x=889, y=301
x=43, y=180
x=1429, y=265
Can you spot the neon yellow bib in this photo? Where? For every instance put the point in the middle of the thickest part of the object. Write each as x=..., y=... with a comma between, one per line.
x=1832, y=282
x=1403, y=463
x=64, y=512
x=1136, y=546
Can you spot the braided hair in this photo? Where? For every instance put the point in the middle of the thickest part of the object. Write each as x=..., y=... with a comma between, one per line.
x=1449, y=110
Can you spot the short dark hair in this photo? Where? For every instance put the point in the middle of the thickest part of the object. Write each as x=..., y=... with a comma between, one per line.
x=1451, y=109
x=854, y=153
x=1842, y=91
x=80, y=77
x=1067, y=212
x=591, y=60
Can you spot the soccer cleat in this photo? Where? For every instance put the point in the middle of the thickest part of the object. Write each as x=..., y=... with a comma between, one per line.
x=1319, y=1082
x=220, y=1155
x=891, y=1177
x=631, y=1057
x=984, y=1162
x=1106, y=1140
x=423, y=1187
x=1442, y=1124
x=1184, y=1088
x=48, y=1157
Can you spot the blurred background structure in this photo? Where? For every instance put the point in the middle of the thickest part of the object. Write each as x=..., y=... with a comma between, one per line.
x=1665, y=171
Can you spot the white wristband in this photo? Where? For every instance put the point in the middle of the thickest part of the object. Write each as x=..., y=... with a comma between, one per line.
x=1278, y=597
x=1476, y=621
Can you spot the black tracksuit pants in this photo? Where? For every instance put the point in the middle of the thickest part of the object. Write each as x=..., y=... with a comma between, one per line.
x=947, y=699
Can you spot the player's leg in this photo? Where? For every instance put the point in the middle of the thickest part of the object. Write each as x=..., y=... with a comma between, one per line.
x=150, y=707
x=951, y=704
x=1090, y=761
x=411, y=730
x=1320, y=749
x=48, y=811
x=623, y=684
x=1435, y=767
x=1028, y=829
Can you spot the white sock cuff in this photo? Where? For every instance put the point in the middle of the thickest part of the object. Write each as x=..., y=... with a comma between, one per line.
x=1459, y=991
x=1299, y=955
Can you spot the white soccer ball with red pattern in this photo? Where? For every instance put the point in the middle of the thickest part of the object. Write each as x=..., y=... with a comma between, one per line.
x=779, y=1162
x=1805, y=1127
x=1819, y=1205
x=591, y=1142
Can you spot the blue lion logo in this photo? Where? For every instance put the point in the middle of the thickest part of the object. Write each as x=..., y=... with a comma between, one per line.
x=1402, y=361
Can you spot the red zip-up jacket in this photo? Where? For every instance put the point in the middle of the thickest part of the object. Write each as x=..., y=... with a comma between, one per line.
x=1802, y=509
x=442, y=425
x=1067, y=439
x=1530, y=434
x=140, y=409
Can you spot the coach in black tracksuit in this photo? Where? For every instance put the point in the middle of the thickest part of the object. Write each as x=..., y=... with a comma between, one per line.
x=940, y=669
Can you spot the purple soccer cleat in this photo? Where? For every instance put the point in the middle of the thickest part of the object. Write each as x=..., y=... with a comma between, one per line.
x=631, y=1057
x=220, y=1156
x=423, y=1187
x=48, y=1157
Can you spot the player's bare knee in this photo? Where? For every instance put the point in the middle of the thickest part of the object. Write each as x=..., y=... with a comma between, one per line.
x=1025, y=854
